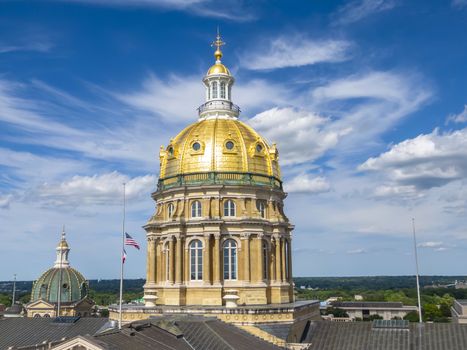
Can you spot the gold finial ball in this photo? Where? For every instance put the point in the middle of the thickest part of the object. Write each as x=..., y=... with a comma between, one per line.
x=218, y=54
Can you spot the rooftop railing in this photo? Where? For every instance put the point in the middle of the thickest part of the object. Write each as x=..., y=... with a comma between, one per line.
x=221, y=178
x=219, y=105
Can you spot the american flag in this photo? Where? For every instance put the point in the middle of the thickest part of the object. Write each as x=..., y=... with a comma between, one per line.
x=130, y=241
x=124, y=256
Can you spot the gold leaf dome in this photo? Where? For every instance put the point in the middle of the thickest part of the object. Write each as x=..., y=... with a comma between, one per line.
x=219, y=145
x=218, y=68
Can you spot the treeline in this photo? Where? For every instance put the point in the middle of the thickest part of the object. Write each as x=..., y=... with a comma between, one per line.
x=373, y=282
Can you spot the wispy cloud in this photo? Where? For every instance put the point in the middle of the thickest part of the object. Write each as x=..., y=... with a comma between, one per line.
x=233, y=10
x=295, y=51
x=459, y=3
x=458, y=118
x=305, y=183
x=103, y=189
x=357, y=251
x=38, y=46
x=357, y=10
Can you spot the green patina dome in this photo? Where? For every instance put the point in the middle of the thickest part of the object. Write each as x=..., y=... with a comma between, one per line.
x=74, y=286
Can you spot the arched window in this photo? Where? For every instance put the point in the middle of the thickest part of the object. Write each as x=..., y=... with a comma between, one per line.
x=261, y=208
x=230, y=260
x=265, y=260
x=196, y=260
x=46, y=316
x=37, y=315
x=196, y=209
x=222, y=90
x=170, y=210
x=229, y=208
x=209, y=94
x=214, y=89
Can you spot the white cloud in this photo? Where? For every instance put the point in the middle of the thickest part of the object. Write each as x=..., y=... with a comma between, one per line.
x=162, y=98
x=304, y=183
x=301, y=135
x=105, y=189
x=430, y=244
x=234, y=10
x=357, y=251
x=367, y=105
x=5, y=201
x=295, y=51
x=38, y=46
x=357, y=10
x=458, y=118
x=424, y=162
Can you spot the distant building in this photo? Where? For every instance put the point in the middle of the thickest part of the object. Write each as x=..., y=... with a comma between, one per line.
x=358, y=297
x=459, y=311
x=60, y=283
x=363, y=310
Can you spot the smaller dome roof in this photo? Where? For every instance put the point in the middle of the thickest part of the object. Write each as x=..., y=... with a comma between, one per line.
x=74, y=286
x=218, y=68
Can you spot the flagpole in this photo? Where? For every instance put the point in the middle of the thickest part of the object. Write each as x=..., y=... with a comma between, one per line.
x=416, y=266
x=121, y=261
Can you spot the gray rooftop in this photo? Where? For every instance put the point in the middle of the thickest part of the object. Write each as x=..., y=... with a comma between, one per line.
x=23, y=331
x=325, y=335
x=369, y=304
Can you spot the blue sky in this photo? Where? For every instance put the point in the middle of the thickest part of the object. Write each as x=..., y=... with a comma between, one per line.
x=366, y=100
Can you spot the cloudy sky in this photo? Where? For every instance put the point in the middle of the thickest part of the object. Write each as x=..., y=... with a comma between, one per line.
x=366, y=100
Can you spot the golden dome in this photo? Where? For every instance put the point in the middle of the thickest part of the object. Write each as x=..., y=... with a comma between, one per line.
x=218, y=68
x=220, y=145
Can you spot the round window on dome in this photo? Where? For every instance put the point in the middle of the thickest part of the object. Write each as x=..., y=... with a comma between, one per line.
x=259, y=148
x=171, y=151
x=196, y=146
x=65, y=286
x=229, y=145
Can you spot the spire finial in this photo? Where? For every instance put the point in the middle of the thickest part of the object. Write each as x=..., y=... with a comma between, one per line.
x=218, y=43
x=63, y=232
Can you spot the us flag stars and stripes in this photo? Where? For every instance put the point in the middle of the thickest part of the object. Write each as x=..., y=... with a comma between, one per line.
x=130, y=241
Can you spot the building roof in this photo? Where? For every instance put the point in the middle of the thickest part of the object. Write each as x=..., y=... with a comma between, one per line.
x=179, y=333
x=23, y=331
x=325, y=335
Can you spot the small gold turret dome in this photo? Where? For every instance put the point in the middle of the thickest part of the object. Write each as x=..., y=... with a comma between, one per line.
x=218, y=67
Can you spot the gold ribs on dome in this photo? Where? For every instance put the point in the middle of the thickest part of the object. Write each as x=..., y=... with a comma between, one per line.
x=219, y=145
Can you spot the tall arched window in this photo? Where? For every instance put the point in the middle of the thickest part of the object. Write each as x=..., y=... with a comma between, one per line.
x=265, y=260
x=170, y=210
x=230, y=260
x=261, y=208
x=196, y=260
x=214, y=89
x=222, y=89
x=229, y=208
x=167, y=260
x=196, y=209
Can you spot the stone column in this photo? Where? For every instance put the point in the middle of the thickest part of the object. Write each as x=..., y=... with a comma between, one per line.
x=283, y=257
x=289, y=257
x=245, y=237
x=207, y=259
x=259, y=257
x=151, y=257
x=171, y=259
x=178, y=261
x=216, y=268
x=277, y=259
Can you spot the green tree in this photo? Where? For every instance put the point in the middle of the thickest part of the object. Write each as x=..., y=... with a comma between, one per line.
x=412, y=316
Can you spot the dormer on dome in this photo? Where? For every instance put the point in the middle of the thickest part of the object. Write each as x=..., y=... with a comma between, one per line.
x=218, y=82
